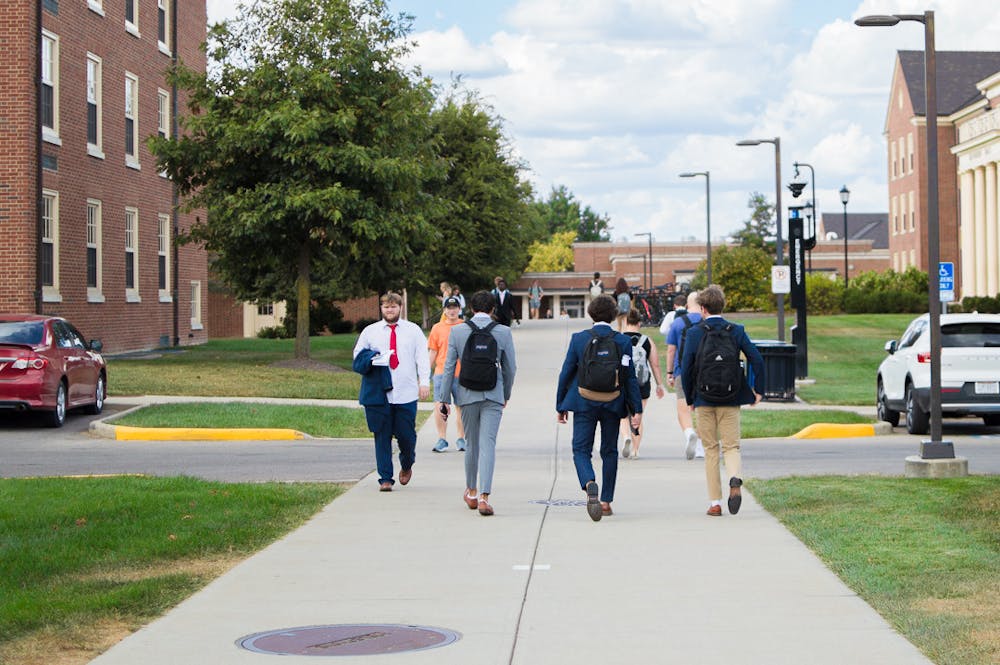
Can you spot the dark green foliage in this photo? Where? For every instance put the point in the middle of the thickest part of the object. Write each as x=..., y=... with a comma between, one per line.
x=887, y=292
x=824, y=295
x=324, y=316
x=981, y=304
x=744, y=273
x=562, y=212
x=361, y=324
x=759, y=230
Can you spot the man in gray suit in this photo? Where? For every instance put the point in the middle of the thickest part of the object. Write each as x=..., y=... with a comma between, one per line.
x=481, y=409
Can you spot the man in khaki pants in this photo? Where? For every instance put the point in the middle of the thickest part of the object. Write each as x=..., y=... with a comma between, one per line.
x=716, y=387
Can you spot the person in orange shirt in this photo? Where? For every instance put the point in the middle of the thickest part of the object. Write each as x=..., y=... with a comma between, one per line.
x=437, y=346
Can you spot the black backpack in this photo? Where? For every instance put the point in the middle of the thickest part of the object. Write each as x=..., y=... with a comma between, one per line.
x=479, y=359
x=598, y=375
x=684, y=333
x=719, y=374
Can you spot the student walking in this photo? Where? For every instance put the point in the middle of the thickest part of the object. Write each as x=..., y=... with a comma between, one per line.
x=482, y=390
x=437, y=349
x=676, y=336
x=597, y=383
x=503, y=310
x=716, y=387
x=646, y=362
x=535, y=293
x=390, y=397
x=623, y=302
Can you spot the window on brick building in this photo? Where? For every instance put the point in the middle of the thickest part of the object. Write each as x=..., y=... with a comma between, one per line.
x=895, y=217
x=909, y=152
x=913, y=211
x=94, y=133
x=49, y=265
x=163, y=113
x=163, y=25
x=196, y=305
x=163, y=257
x=902, y=157
x=892, y=158
x=265, y=310
x=96, y=6
x=50, y=87
x=94, y=268
x=132, y=16
x=131, y=120
x=131, y=254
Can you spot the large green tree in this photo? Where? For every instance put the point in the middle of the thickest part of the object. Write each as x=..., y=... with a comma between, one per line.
x=759, y=230
x=308, y=142
x=744, y=272
x=562, y=212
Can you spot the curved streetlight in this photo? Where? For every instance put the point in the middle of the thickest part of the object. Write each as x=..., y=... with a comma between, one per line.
x=708, y=220
x=845, y=195
x=780, y=250
x=935, y=448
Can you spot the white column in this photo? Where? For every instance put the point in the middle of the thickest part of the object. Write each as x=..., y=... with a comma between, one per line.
x=979, y=182
x=992, y=286
x=967, y=236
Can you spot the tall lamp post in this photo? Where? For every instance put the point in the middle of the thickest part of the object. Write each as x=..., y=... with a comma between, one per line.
x=935, y=448
x=708, y=220
x=650, y=236
x=812, y=212
x=777, y=214
x=845, y=194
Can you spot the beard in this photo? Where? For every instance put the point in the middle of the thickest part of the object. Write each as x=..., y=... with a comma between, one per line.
x=393, y=319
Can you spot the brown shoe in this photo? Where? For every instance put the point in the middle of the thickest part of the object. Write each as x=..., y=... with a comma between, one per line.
x=606, y=509
x=484, y=507
x=385, y=486
x=405, y=475
x=714, y=511
x=470, y=499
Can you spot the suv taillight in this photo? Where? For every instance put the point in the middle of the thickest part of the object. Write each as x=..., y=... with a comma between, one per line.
x=31, y=362
x=924, y=357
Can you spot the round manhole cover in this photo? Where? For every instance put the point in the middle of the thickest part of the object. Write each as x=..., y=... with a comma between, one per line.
x=360, y=639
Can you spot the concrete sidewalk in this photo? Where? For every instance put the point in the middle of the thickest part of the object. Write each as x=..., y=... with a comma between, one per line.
x=538, y=583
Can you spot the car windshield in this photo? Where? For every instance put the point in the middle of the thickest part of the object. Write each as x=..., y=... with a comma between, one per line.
x=21, y=332
x=971, y=334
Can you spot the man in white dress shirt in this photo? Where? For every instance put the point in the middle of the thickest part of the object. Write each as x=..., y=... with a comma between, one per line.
x=400, y=345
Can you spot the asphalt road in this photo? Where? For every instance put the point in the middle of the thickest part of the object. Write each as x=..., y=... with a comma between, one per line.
x=29, y=449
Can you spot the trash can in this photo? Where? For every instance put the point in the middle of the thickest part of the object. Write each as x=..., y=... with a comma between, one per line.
x=779, y=369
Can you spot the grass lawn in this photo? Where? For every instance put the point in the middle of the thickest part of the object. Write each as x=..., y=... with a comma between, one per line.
x=759, y=423
x=88, y=560
x=924, y=553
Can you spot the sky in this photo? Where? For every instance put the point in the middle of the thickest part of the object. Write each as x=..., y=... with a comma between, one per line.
x=615, y=98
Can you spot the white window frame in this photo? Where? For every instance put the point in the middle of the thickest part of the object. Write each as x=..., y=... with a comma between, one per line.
x=95, y=241
x=94, y=96
x=909, y=151
x=895, y=217
x=50, y=235
x=163, y=44
x=163, y=113
x=132, y=253
x=132, y=113
x=913, y=211
x=163, y=250
x=132, y=27
x=196, y=305
x=50, y=77
x=96, y=6
x=892, y=158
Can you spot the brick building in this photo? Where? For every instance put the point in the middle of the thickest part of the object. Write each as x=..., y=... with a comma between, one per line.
x=87, y=221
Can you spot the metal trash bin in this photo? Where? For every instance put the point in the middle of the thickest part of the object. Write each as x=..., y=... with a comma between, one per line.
x=779, y=369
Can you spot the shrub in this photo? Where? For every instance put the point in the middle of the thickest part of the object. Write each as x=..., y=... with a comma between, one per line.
x=323, y=316
x=361, y=324
x=273, y=332
x=981, y=304
x=824, y=295
x=887, y=292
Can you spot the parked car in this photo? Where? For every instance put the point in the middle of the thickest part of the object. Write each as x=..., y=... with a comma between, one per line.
x=970, y=371
x=46, y=366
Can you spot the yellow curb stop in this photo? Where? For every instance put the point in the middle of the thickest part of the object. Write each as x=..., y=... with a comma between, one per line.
x=125, y=433
x=835, y=431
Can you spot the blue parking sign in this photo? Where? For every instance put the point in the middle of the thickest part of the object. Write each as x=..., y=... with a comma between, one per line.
x=946, y=281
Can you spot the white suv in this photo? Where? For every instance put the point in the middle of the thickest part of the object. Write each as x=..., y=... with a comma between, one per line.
x=970, y=371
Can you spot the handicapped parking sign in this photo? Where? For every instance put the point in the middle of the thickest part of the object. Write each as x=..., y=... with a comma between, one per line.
x=946, y=281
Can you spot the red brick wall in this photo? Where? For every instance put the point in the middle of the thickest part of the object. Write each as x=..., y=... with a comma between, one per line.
x=120, y=324
x=19, y=46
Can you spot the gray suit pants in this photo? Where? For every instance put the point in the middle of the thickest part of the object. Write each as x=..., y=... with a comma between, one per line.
x=482, y=422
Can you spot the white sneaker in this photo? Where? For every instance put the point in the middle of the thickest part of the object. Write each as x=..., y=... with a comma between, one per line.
x=699, y=451
x=627, y=449
x=692, y=439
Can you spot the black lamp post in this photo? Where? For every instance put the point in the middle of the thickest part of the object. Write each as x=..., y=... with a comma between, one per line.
x=780, y=250
x=845, y=194
x=935, y=448
x=812, y=212
x=650, y=236
x=708, y=220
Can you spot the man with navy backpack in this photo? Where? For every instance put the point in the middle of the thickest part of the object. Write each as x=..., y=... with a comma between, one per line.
x=485, y=379
x=716, y=386
x=598, y=384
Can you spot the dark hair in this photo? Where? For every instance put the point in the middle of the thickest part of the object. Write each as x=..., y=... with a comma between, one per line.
x=602, y=309
x=681, y=300
x=621, y=286
x=597, y=275
x=712, y=299
x=633, y=317
x=482, y=301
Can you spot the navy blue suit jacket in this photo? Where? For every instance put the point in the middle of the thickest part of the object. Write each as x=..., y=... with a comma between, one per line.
x=689, y=372
x=376, y=380
x=568, y=396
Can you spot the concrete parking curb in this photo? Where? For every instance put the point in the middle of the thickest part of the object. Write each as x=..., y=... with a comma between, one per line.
x=842, y=431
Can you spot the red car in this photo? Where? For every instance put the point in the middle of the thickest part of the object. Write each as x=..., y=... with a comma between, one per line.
x=45, y=365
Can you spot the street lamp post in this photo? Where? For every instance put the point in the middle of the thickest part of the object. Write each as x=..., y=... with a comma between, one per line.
x=708, y=220
x=650, y=237
x=780, y=250
x=812, y=212
x=935, y=448
x=845, y=194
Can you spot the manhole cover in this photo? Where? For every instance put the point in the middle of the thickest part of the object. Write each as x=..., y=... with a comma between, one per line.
x=561, y=502
x=361, y=639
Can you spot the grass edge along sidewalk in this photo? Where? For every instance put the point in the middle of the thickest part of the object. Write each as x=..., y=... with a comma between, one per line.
x=86, y=561
x=924, y=553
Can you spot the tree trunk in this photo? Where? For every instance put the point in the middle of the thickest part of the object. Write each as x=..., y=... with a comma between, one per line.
x=302, y=291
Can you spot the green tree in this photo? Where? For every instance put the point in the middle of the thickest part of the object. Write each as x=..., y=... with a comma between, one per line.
x=745, y=275
x=562, y=212
x=759, y=230
x=307, y=143
x=556, y=255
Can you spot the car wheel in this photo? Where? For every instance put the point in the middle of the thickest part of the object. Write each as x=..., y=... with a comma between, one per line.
x=885, y=414
x=57, y=417
x=98, y=405
x=917, y=420
x=992, y=420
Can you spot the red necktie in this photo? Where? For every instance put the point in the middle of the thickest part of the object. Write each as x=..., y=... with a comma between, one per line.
x=393, y=360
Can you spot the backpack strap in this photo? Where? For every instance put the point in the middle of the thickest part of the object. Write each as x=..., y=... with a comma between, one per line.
x=687, y=319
